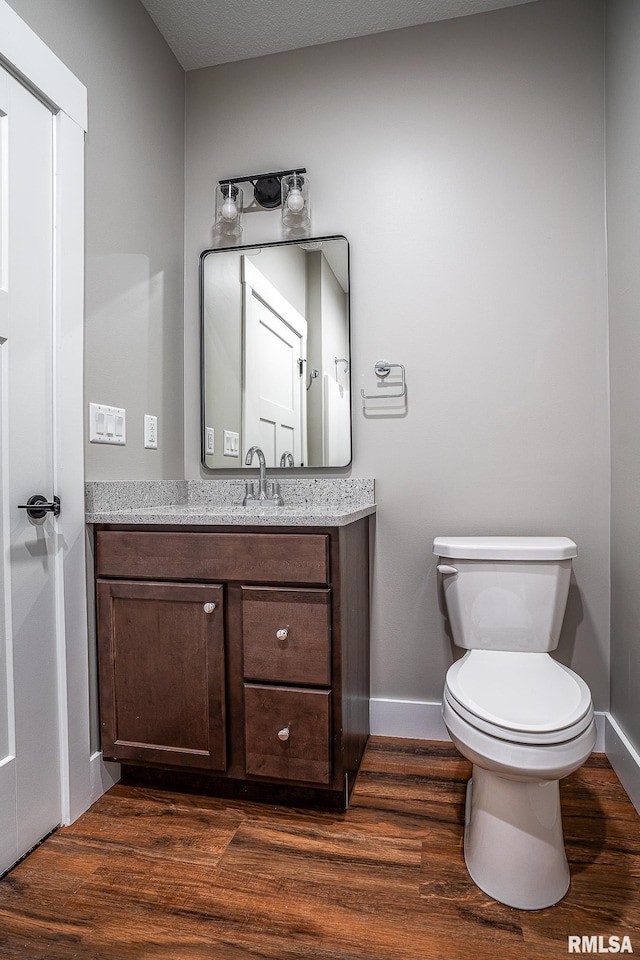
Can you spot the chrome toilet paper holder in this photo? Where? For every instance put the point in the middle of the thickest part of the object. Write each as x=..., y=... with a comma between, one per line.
x=382, y=369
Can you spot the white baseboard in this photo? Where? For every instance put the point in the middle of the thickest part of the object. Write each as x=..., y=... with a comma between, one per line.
x=409, y=719
x=103, y=775
x=624, y=759
x=422, y=720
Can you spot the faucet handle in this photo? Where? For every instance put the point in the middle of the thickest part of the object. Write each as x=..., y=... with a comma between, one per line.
x=249, y=492
x=274, y=493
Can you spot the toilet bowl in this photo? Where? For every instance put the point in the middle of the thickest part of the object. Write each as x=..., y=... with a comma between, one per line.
x=522, y=719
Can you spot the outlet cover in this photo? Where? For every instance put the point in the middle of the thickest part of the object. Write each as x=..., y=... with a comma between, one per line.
x=210, y=444
x=150, y=432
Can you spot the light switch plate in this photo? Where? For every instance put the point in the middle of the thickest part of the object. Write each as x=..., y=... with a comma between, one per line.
x=107, y=424
x=230, y=443
x=150, y=432
x=210, y=444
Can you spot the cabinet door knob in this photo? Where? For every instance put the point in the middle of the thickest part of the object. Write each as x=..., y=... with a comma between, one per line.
x=283, y=734
x=209, y=607
x=283, y=633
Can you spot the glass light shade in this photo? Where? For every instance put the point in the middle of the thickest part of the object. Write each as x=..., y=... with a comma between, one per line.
x=295, y=200
x=229, y=204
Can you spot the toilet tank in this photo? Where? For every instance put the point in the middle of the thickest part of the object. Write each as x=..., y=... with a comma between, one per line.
x=505, y=593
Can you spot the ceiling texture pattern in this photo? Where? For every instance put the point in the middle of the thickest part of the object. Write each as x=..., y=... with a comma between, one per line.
x=203, y=33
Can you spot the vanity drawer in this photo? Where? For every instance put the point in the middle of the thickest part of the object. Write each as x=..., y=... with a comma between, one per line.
x=303, y=654
x=303, y=718
x=264, y=558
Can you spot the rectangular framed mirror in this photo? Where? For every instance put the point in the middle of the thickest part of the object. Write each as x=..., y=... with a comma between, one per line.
x=275, y=354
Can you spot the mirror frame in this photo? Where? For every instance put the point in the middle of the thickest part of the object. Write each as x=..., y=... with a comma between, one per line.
x=240, y=248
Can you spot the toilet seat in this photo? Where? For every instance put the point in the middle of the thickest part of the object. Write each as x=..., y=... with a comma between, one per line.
x=519, y=697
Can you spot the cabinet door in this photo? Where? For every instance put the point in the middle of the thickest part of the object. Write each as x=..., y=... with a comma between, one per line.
x=162, y=679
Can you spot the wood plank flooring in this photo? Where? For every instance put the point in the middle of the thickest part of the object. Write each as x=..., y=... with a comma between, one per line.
x=150, y=875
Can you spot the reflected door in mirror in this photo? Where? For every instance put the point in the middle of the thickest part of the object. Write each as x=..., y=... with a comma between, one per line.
x=275, y=353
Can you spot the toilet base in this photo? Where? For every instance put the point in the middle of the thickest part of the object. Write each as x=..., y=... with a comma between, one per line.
x=513, y=840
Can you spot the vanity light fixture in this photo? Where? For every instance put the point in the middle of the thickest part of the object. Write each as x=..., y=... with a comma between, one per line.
x=288, y=189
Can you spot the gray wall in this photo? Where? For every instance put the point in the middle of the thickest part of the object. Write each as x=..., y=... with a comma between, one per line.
x=134, y=222
x=483, y=270
x=623, y=222
x=464, y=161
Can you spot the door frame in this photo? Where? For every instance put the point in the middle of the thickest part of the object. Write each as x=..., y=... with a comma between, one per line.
x=23, y=54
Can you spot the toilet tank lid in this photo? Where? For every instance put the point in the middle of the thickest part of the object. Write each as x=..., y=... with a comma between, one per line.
x=505, y=548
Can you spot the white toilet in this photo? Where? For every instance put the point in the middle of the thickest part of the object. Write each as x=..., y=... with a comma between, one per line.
x=522, y=718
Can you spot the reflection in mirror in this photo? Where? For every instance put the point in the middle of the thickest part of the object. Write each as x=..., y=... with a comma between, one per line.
x=276, y=363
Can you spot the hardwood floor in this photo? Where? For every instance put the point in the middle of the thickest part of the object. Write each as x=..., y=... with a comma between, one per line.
x=146, y=874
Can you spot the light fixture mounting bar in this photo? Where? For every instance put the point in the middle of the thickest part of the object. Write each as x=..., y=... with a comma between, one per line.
x=278, y=174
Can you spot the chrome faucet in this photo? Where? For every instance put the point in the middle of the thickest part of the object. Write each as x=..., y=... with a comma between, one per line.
x=262, y=463
x=286, y=460
x=269, y=492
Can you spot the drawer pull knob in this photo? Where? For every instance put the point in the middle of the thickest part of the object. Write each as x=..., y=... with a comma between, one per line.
x=283, y=633
x=283, y=734
x=209, y=607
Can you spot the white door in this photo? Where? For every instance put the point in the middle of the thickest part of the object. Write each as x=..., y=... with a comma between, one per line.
x=275, y=350
x=30, y=775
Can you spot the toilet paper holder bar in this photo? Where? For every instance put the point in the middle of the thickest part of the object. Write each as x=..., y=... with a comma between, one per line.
x=382, y=369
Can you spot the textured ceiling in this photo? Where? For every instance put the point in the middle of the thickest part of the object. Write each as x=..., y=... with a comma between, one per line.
x=202, y=33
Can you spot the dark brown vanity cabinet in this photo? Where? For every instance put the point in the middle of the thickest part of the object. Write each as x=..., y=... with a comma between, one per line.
x=236, y=663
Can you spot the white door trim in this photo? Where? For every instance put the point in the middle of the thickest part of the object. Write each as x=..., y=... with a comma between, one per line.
x=31, y=61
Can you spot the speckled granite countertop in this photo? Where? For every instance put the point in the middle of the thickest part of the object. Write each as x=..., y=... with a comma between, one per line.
x=308, y=502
